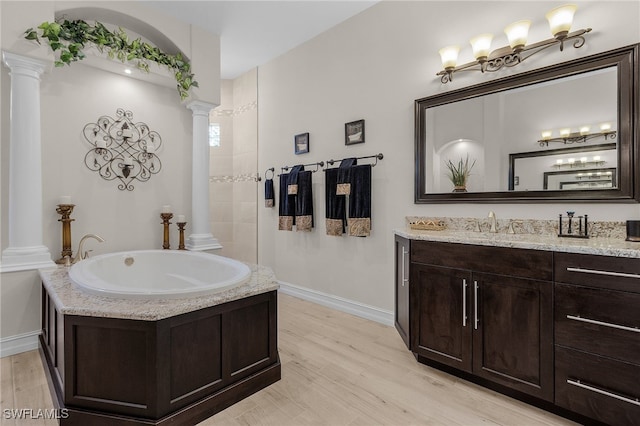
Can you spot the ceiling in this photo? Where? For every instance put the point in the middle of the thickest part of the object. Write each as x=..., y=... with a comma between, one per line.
x=254, y=32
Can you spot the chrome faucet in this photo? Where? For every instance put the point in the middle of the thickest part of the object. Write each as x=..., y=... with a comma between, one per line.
x=81, y=256
x=493, y=221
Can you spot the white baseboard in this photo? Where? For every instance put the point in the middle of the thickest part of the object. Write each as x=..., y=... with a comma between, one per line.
x=336, y=302
x=19, y=343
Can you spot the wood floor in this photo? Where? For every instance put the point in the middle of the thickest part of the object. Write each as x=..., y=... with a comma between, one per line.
x=337, y=369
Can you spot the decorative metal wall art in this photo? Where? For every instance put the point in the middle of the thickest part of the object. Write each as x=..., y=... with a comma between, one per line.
x=122, y=149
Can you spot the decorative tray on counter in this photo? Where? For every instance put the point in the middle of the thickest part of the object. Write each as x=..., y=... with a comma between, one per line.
x=428, y=225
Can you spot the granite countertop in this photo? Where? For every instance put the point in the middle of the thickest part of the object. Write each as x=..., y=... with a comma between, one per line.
x=604, y=246
x=70, y=300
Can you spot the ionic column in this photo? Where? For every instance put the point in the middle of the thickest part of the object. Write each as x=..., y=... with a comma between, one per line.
x=201, y=237
x=25, y=249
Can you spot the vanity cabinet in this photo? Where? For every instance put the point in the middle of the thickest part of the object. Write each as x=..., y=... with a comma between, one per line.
x=486, y=311
x=563, y=328
x=597, y=337
x=402, y=249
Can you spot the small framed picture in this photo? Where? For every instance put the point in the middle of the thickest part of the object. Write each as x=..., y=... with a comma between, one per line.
x=354, y=132
x=301, y=143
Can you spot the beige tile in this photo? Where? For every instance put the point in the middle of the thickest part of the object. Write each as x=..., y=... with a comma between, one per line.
x=220, y=192
x=221, y=211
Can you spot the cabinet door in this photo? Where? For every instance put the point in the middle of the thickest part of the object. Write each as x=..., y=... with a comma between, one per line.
x=402, y=289
x=513, y=333
x=440, y=328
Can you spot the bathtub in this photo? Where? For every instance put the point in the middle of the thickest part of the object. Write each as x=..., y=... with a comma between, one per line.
x=158, y=274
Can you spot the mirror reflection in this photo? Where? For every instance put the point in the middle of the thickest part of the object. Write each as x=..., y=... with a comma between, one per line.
x=580, y=167
x=531, y=138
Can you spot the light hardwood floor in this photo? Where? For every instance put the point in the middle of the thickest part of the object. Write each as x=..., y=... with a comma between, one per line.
x=337, y=369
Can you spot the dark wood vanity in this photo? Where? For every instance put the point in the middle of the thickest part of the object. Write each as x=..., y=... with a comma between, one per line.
x=557, y=330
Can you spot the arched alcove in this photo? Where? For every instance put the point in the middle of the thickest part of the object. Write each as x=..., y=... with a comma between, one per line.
x=136, y=27
x=455, y=151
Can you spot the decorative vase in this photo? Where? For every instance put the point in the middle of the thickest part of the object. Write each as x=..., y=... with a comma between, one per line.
x=461, y=188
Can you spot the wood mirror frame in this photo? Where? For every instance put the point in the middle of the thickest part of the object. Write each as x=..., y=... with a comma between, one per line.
x=628, y=190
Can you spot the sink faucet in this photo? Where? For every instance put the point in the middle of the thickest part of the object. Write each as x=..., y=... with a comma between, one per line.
x=493, y=221
x=80, y=256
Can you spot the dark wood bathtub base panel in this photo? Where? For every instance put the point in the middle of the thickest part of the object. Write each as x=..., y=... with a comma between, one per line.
x=192, y=414
x=121, y=371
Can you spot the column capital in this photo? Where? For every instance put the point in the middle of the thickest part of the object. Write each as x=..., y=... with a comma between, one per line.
x=26, y=64
x=200, y=107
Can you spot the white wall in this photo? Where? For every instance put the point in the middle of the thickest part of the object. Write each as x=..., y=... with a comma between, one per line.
x=373, y=67
x=74, y=96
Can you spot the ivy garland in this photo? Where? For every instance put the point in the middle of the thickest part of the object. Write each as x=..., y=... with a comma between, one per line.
x=69, y=38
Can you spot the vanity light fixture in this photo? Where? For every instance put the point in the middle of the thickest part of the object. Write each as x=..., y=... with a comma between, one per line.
x=560, y=21
x=567, y=137
x=583, y=163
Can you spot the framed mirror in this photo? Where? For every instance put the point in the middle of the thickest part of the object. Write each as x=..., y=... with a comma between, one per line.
x=517, y=132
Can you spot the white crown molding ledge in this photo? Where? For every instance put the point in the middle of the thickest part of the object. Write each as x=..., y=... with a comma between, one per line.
x=336, y=302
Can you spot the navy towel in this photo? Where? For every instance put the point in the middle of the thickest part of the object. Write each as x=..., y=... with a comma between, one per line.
x=286, y=207
x=304, y=202
x=335, y=215
x=269, y=194
x=344, y=176
x=359, y=220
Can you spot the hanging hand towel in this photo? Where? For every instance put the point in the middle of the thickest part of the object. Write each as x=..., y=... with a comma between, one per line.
x=360, y=201
x=292, y=187
x=269, y=194
x=304, y=202
x=286, y=207
x=344, y=176
x=335, y=217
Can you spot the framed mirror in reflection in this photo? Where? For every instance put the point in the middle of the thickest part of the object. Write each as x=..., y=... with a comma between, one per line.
x=564, y=168
x=536, y=127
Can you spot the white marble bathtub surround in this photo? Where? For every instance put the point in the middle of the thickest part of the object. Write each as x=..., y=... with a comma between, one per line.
x=71, y=300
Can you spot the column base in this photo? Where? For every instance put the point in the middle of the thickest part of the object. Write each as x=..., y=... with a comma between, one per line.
x=200, y=242
x=26, y=258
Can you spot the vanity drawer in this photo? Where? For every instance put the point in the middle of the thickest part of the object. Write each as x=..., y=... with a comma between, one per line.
x=525, y=263
x=605, y=322
x=597, y=387
x=615, y=273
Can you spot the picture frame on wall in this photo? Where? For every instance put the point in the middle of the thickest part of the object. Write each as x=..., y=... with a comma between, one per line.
x=301, y=143
x=354, y=132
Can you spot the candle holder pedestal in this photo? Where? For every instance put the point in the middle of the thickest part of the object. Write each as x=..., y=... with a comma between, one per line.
x=65, y=211
x=165, y=221
x=181, y=226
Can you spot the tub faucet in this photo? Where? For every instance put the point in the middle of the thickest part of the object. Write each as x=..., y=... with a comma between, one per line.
x=493, y=220
x=80, y=256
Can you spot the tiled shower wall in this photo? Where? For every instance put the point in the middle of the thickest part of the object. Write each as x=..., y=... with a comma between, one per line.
x=233, y=166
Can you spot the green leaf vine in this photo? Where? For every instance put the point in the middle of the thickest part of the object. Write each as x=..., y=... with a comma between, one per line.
x=68, y=38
